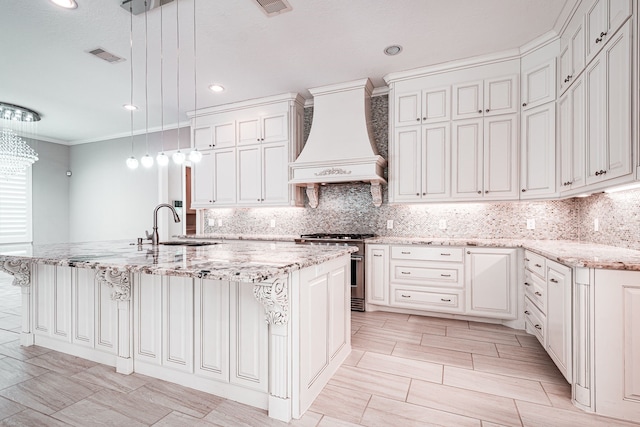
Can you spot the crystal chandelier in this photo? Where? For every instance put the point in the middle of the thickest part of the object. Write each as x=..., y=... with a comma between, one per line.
x=15, y=154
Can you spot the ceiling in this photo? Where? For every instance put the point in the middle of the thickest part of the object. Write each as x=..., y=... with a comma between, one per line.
x=46, y=66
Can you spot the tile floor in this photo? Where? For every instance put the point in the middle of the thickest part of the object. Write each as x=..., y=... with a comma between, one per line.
x=403, y=371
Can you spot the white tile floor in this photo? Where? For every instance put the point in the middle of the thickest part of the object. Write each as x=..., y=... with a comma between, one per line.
x=403, y=371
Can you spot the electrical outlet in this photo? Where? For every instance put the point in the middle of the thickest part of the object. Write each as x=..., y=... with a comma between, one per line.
x=596, y=225
x=389, y=224
x=212, y=222
x=273, y=223
x=219, y=223
x=531, y=224
x=442, y=224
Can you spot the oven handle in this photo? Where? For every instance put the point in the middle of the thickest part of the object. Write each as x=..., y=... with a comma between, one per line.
x=357, y=257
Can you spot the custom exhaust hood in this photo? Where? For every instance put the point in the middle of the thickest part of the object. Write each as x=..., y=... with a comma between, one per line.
x=340, y=147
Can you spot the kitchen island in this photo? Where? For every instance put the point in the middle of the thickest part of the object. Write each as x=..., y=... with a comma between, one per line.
x=262, y=323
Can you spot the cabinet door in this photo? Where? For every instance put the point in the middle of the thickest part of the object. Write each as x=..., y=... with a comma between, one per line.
x=491, y=282
x=249, y=175
x=468, y=100
x=177, y=325
x=595, y=85
x=436, y=161
x=501, y=95
x=408, y=109
x=578, y=49
x=377, y=278
x=211, y=329
x=596, y=27
x=275, y=174
x=274, y=128
x=565, y=131
x=572, y=136
x=436, y=105
x=559, y=293
x=224, y=134
x=467, y=159
x=617, y=13
x=224, y=177
x=202, y=181
x=565, y=67
x=202, y=137
x=248, y=130
x=501, y=157
x=538, y=142
x=538, y=85
x=407, y=164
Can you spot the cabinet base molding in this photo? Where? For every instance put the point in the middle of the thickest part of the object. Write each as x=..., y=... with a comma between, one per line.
x=75, y=350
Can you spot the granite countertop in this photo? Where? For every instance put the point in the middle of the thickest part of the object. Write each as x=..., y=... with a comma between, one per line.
x=213, y=236
x=567, y=252
x=235, y=261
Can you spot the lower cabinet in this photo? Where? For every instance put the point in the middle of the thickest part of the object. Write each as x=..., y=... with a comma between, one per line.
x=377, y=274
x=559, y=285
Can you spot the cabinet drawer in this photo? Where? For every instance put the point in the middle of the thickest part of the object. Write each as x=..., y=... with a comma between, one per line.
x=535, y=263
x=423, y=300
x=535, y=321
x=427, y=273
x=440, y=253
x=536, y=289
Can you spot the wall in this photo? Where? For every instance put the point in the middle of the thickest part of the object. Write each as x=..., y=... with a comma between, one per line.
x=108, y=200
x=50, y=194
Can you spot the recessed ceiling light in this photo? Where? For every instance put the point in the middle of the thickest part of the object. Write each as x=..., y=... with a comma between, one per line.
x=130, y=107
x=67, y=4
x=216, y=88
x=393, y=50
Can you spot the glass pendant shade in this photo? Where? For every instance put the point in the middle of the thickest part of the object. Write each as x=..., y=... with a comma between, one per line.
x=162, y=159
x=195, y=156
x=147, y=161
x=178, y=157
x=15, y=154
x=132, y=162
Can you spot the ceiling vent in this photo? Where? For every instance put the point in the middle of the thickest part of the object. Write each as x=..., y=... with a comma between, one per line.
x=106, y=56
x=273, y=7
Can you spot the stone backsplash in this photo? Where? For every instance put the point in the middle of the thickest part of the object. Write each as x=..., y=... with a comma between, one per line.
x=347, y=208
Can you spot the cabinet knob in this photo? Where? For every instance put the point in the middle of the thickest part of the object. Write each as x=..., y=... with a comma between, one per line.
x=524, y=104
x=527, y=259
x=486, y=191
x=527, y=312
x=524, y=190
x=424, y=194
x=261, y=139
x=527, y=284
x=538, y=265
x=480, y=111
x=486, y=111
x=258, y=199
x=479, y=192
x=424, y=118
x=210, y=201
x=538, y=327
x=538, y=293
x=257, y=139
x=417, y=194
x=418, y=119
x=468, y=252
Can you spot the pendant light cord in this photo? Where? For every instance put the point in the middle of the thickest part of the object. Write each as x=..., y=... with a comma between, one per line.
x=146, y=78
x=161, y=86
x=195, y=65
x=131, y=64
x=178, y=69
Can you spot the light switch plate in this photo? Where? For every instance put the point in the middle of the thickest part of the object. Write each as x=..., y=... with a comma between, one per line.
x=272, y=223
x=531, y=224
x=219, y=223
x=389, y=224
x=596, y=224
x=212, y=222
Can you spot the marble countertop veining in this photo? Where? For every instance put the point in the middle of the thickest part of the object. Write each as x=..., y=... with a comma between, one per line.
x=236, y=261
x=214, y=236
x=567, y=252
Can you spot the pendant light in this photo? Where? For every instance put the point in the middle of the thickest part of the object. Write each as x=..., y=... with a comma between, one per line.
x=162, y=158
x=147, y=160
x=132, y=162
x=178, y=156
x=195, y=156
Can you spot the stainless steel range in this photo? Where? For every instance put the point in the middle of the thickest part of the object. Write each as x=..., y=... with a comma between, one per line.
x=357, y=259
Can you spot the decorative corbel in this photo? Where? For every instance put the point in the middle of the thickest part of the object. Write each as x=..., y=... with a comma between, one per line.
x=119, y=282
x=376, y=193
x=275, y=299
x=19, y=269
x=312, y=194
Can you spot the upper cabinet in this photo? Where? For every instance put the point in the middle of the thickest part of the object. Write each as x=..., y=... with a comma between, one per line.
x=602, y=19
x=488, y=97
x=423, y=106
x=538, y=85
x=572, y=52
x=247, y=148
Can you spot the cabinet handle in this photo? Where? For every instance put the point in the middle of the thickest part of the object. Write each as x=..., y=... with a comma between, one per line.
x=566, y=80
x=405, y=253
x=445, y=299
x=405, y=272
x=445, y=254
x=538, y=265
x=527, y=259
x=601, y=172
x=603, y=34
x=553, y=280
x=405, y=296
x=445, y=275
x=598, y=40
x=524, y=104
x=538, y=293
x=538, y=327
x=527, y=284
x=486, y=111
x=377, y=255
x=524, y=190
x=527, y=312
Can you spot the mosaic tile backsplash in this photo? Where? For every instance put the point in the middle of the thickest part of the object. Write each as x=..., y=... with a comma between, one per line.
x=347, y=208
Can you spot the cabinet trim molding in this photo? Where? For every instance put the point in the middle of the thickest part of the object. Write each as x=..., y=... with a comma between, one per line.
x=119, y=281
x=275, y=299
x=20, y=270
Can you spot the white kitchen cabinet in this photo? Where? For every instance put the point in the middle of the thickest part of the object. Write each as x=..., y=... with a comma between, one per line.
x=616, y=338
x=491, y=282
x=211, y=329
x=538, y=85
x=572, y=52
x=538, y=152
x=558, y=312
x=377, y=275
x=571, y=123
x=214, y=135
x=177, y=323
x=263, y=129
x=422, y=163
x=423, y=107
x=608, y=110
x=213, y=179
x=487, y=97
x=602, y=19
x=485, y=158
x=263, y=174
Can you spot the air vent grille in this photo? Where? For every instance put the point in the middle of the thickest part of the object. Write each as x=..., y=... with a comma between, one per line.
x=274, y=7
x=106, y=56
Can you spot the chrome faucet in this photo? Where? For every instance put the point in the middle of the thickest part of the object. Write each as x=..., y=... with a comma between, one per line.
x=155, y=239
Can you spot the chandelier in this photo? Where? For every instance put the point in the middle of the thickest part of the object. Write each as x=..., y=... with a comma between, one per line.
x=15, y=154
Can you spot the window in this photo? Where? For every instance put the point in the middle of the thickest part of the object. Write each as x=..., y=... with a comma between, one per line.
x=15, y=208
